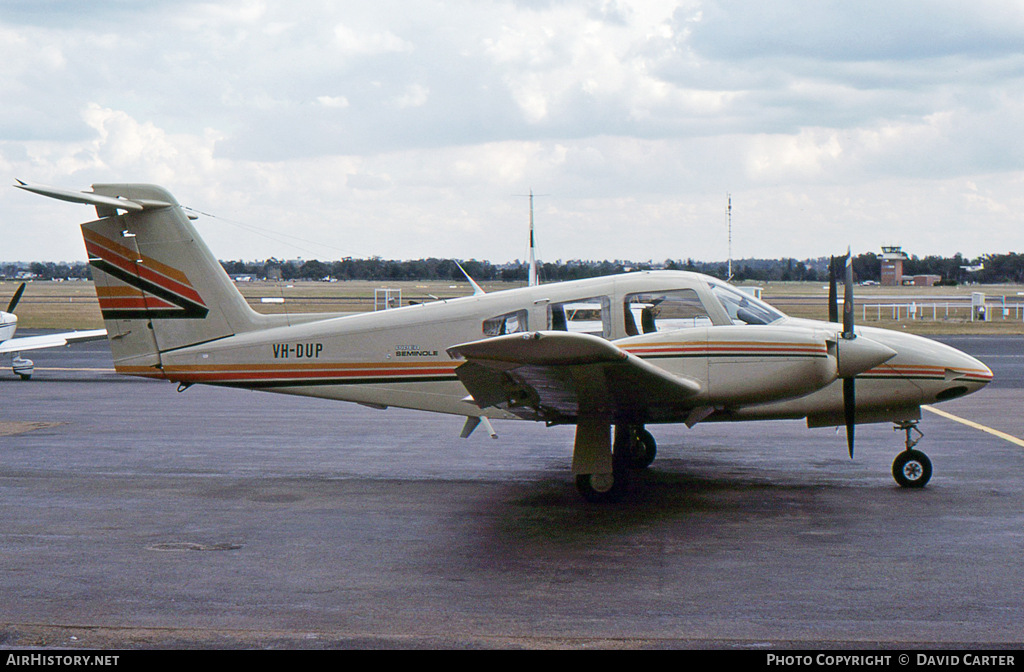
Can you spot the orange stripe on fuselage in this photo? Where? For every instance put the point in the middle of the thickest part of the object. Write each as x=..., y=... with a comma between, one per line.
x=292, y=371
x=728, y=348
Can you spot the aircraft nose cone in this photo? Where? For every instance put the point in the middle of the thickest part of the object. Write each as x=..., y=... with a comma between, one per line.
x=860, y=354
x=968, y=369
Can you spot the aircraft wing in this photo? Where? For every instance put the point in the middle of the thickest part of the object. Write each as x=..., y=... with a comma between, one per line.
x=51, y=340
x=558, y=376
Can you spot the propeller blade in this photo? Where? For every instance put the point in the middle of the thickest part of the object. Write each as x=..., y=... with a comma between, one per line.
x=849, y=411
x=833, y=294
x=848, y=298
x=848, y=336
x=16, y=298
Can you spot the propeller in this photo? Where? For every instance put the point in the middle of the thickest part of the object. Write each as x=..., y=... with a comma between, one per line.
x=848, y=298
x=833, y=309
x=845, y=341
x=16, y=298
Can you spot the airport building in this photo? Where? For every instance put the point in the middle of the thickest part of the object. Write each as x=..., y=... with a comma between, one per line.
x=892, y=266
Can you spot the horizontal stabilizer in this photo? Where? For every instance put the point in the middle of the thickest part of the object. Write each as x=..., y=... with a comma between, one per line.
x=88, y=198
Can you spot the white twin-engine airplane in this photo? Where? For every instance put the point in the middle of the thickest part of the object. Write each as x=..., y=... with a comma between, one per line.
x=15, y=346
x=622, y=352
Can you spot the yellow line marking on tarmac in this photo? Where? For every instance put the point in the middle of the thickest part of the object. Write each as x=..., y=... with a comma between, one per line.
x=994, y=432
x=12, y=428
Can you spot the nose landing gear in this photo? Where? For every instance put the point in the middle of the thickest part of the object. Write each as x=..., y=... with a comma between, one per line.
x=911, y=468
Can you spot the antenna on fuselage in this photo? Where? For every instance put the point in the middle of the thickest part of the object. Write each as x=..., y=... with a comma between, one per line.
x=477, y=289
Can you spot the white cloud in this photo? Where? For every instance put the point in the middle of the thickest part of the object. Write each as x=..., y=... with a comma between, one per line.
x=352, y=41
x=414, y=129
x=416, y=95
x=332, y=101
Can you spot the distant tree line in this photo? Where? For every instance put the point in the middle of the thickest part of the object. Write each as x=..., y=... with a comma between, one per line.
x=45, y=270
x=995, y=268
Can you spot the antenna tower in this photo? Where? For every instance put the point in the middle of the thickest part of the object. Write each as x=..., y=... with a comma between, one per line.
x=532, y=276
x=728, y=214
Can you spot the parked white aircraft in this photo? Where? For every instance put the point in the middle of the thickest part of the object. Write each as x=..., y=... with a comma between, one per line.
x=15, y=346
x=622, y=352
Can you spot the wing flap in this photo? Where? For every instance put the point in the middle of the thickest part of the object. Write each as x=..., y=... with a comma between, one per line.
x=559, y=376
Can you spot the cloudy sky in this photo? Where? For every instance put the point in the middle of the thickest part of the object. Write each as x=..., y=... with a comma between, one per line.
x=323, y=129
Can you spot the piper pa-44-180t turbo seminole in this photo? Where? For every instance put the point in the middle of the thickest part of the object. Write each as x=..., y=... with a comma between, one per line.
x=616, y=352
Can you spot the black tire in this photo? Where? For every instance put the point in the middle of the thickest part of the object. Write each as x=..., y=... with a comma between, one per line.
x=912, y=469
x=603, y=488
x=645, y=449
x=635, y=448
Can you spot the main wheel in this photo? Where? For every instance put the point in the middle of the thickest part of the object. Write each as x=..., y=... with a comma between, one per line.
x=634, y=447
x=603, y=488
x=645, y=449
x=912, y=469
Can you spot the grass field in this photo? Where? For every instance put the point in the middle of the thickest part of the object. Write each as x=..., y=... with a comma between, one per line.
x=73, y=305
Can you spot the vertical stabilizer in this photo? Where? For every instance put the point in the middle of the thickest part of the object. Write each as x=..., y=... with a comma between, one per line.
x=159, y=286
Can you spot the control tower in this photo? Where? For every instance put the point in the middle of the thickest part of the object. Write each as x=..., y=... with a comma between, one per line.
x=892, y=266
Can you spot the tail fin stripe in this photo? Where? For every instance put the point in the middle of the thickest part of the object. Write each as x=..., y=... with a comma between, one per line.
x=127, y=253
x=141, y=303
x=99, y=255
x=188, y=309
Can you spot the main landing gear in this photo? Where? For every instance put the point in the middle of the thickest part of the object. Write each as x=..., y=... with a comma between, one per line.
x=636, y=445
x=634, y=448
x=911, y=468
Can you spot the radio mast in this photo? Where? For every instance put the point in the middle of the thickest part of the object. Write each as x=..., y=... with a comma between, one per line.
x=532, y=274
x=728, y=214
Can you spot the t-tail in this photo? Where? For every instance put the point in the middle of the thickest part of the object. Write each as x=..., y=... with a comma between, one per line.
x=159, y=286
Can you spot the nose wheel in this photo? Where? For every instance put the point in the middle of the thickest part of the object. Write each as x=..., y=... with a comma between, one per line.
x=911, y=468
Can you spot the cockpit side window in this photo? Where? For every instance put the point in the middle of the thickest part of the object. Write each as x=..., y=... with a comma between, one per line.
x=509, y=323
x=648, y=312
x=743, y=308
x=587, y=316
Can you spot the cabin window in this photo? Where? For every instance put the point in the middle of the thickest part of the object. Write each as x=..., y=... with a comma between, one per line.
x=649, y=312
x=509, y=323
x=744, y=308
x=582, y=316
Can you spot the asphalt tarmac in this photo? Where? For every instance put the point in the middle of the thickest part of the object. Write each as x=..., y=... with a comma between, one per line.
x=136, y=516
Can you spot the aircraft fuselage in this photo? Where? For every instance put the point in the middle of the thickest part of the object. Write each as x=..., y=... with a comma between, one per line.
x=398, y=357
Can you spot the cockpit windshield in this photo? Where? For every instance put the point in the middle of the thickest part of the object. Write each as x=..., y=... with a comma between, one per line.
x=744, y=308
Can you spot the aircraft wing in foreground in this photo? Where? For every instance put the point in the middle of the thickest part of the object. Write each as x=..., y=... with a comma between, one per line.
x=609, y=355
x=15, y=346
